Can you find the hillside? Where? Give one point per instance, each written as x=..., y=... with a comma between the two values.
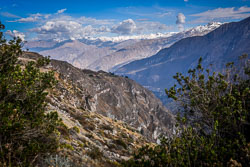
x=107, y=116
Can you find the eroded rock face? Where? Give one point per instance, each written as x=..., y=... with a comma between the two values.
x=118, y=98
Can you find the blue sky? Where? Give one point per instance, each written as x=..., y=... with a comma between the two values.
x=75, y=19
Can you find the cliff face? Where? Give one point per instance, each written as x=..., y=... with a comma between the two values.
x=107, y=116
x=118, y=98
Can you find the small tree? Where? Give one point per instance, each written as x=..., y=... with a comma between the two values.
x=214, y=123
x=26, y=130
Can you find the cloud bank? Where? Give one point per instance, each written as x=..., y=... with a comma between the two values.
x=63, y=30
x=125, y=27
x=60, y=26
x=16, y=34
x=32, y=18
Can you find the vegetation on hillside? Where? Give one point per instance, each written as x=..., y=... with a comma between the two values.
x=27, y=132
x=213, y=124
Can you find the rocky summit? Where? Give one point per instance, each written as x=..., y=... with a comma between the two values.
x=106, y=117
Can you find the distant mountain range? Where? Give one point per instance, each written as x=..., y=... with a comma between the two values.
x=110, y=53
x=218, y=47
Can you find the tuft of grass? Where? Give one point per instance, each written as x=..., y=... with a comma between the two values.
x=76, y=129
x=107, y=127
x=80, y=144
x=95, y=153
x=121, y=143
x=57, y=160
x=67, y=146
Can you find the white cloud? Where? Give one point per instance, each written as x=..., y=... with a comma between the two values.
x=63, y=30
x=27, y=19
x=61, y=11
x=164, y=14
x=10, y=15
x=66, y=27
x=15, y=33
x=93, y=21
x=180, y=27
x=180, y=18
x=32, y=18
x=129, y=26
x=125, y=27
x=63, y=27
x=150, y=27
x=180, y=21
x=38, y=17
x=185, y=0
x=221, y=14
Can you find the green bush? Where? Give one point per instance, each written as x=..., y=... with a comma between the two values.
x=213, y=126
x=26, y=131
x=76, y=129
x=67, y=146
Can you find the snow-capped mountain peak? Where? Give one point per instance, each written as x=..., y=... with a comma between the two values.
x=134, y=37
x=203, y=29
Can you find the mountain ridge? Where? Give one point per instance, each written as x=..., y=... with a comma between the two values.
x=98, y=54
x=218, y=47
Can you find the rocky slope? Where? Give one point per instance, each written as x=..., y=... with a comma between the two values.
x=108, y=54
x=106, y=117
x=222, y=45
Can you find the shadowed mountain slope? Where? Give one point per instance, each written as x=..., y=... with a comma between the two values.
x=218, y=47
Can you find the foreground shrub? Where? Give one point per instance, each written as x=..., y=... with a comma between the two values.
x=213, y=124
x=57, y=160
x=26, y=131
